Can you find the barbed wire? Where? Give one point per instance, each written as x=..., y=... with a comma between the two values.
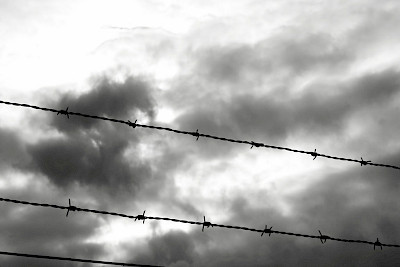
x=73, y=259
x=207, y=224
x=196, y=134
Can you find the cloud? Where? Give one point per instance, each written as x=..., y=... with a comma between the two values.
x=230, y=63
x=90, y=161
x=45, y=231
x=274, y=116
x=13, y=152
x=376, y=26
x=175, y=248
x=92, y=152
x=106, y=98
x=353, y=204
x=358, y=203
x=288, y=51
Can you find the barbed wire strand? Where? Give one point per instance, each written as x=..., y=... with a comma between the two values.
x=204, y=223
x=314, y=153
x=72, y=259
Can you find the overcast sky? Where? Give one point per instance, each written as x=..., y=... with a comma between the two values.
x=302, y=74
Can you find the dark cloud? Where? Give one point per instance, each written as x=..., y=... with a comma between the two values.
x=355, y=204
x=90, y=161
x=315, y=111
x=271, y=119
x=106, y=98
x=93, y=152
x=309, y=52
x=35, y=230
x=175, y=248
x=12, y=152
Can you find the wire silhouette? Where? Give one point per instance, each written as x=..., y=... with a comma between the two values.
x=70, y=208
x=64, y=112
x=314, y=154
x=323, y=238
x=73, y=259
x=132, y=124
x=204, y=223
x=364, y=162
x=197, y=134
x=141, y=217
x=267, y=231
x=255, y=144
x=377, y=243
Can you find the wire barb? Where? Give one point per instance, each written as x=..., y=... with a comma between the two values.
x=323, y=238
x=63, y=112
x=196, y=134
x=377, y=243
x=70, y=207
x=267, y=231
x=364, y=162
x=132, y=124
x=314, y=154
x=206, y=224
x=141, y=217
x=255, y=144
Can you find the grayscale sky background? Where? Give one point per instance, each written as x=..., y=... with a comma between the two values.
x=300, y=74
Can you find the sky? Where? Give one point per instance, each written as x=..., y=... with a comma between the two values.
x=301, y=74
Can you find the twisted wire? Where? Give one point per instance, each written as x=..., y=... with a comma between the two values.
x=72, y=259
x=197, y=135
x=204, y=223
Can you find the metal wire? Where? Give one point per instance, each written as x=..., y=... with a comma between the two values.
x=204, y=223
x=73, y=259
x=196, y=134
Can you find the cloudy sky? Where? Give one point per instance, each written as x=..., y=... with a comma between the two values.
x=301, y=74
